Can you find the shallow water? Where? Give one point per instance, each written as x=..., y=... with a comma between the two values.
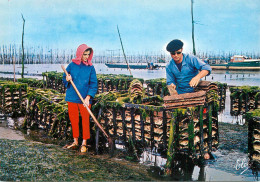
x=7, y=131
x=224, y=116
x=227, y=166
x=238, y=78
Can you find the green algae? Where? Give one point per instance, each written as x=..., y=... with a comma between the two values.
x=245, y=89
x=32, y=82
x=251, y=114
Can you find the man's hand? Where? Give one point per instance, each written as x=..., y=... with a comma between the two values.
x=172, y=89
x=68, y=78
x=87, y=100
x=195, y=81
x=174, y=86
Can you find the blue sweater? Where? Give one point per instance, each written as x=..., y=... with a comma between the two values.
x=85, y=79
x=191, y=66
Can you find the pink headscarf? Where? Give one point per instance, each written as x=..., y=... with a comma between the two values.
x=79, y=54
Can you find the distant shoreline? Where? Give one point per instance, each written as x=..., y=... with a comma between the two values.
x=235, y=68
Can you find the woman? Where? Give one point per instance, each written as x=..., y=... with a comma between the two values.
x=83, y=74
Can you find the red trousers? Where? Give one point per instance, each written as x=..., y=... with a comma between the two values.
x=73, y=109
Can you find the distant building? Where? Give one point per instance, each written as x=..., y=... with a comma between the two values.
x=237, y=58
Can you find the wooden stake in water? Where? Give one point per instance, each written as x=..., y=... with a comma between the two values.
x=123, y=50
x=193, y=41
x=23, y=48
x=14, y=67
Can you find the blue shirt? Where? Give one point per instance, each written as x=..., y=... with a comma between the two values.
x=84, y=78
x=191, y=66
x=179, y=65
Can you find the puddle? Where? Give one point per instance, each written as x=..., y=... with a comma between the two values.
x=7, y=133
x=6, y=129
x=225, y=116
x=227, y=166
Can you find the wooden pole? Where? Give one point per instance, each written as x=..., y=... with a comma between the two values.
x=23, y=48
x=123, y=51
x=14, y=67
x=193, y=41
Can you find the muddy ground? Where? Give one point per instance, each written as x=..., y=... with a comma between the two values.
x=233, y=137
x=27, y=160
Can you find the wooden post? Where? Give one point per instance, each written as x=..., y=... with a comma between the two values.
x=133, y=123
x=106, y=124
x=231, y=106
x=36, y=113
x=124, y=124
x=142, y=127
x=246, y=103
x=148, y=89
x=210, y=126
x=50, y=121
x=97, y=131
x=152, y=128
x=171, y=145
x=20, y=97
x=164, y=130
x=221, y=98
x=102, y=86
x=1, y=96
x=193, y=41
x=14, y=67
x=123, y=51
x=97, y=140
x=201, y=131
x=23, y=48
x=12, y=96
x=215, y=115
x=191, y=134
x=114, y=121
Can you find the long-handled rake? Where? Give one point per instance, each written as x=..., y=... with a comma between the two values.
x=109, y=139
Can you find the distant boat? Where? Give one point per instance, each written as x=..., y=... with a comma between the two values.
x=133, y=65
x=238, y=62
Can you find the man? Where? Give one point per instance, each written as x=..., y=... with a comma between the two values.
x=184, y=71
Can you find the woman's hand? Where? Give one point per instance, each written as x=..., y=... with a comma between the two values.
x=87, y=100
x=68, y=78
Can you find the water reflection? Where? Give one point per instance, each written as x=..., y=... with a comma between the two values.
x=152, y=158
x=185, y=170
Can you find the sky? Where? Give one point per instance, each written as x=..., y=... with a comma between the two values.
x=145, y=25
